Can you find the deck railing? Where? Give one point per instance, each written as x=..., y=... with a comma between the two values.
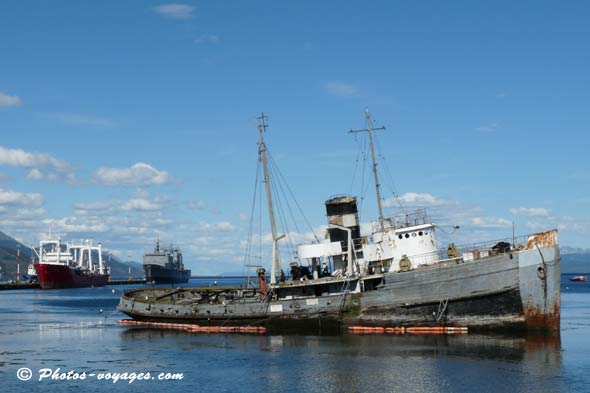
x=472, y=251
x=403, y=220
x=484, y=249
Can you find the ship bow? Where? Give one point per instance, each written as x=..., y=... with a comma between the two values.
x=539, y=268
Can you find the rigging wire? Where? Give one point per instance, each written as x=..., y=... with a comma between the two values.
x=280, y=214
x=282, y=178
x=356, y=164
x=387, y=172
x=283, y=193
x=248, y=255
x=286, y=202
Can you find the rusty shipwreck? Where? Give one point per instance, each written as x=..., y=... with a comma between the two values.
x=396, y=276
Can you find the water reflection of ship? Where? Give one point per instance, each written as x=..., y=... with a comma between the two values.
x=478, y=346
x=535, y=355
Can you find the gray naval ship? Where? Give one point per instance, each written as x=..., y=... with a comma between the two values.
x=164, y=266
x=394, y=277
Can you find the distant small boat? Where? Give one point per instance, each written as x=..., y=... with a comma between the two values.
x=579, y=278
x=32, y=272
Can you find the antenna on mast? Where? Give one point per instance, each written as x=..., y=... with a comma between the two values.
x=370, y=130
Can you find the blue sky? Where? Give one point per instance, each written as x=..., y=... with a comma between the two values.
x=128, y=121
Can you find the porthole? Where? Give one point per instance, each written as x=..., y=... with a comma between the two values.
x=420, y=233
x=400, y=236
x=413, y=234
x=407, y=235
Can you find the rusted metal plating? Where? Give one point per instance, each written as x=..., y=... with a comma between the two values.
x=537, y=319
x=542, y=239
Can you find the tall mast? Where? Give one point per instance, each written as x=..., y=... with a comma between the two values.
x=370, y=130
x=276, y=263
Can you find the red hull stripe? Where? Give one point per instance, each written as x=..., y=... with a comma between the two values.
x=60, y=276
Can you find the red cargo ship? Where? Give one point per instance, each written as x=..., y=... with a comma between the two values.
x=72, y=267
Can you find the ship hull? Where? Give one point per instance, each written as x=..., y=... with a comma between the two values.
x=61, y=276
x=517, y=290
x=510, y=290
x=160, y=275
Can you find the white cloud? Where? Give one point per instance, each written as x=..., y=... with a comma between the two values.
x=139, y=174
x=203, y=226
x=209, y=250
x=488, y=128
x=207, y=39
x=175, y=11
x=117, y=205
x=223, y=226
x=491, y=222
x=96, y=206
x=578, y=226
x=8, y=100
x=340, y=89
x=14, y=198
x=196, y=205
x=75, y=225
x=35, y=174
x=21, y=213
x=530, y=211
x=140, y=204
x=41, y=165
x=415, y=199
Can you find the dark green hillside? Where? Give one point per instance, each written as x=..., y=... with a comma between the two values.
x=8, y=247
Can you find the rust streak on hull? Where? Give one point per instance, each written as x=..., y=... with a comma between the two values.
x=536, y=319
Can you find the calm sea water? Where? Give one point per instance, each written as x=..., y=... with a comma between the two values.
x=63, y=329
